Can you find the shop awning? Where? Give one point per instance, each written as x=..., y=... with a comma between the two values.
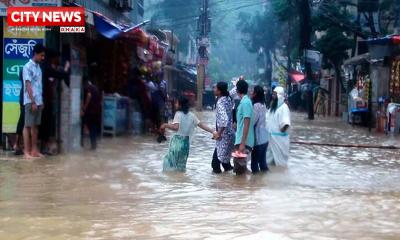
x=297, y=76
x=357, y=60
x=394, y=39
x=113, y=30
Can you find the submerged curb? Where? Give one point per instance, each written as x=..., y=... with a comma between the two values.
x=345, y=145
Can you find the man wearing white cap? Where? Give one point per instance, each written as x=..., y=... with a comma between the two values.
x=278, y=123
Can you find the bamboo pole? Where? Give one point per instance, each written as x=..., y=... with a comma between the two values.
x=345, y=145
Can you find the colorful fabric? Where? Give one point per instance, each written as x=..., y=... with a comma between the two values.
x=245, y=110
x=224, y=118
x=177, y=155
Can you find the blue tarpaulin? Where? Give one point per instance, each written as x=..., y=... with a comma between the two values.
x=106, y=27
x=110, y=29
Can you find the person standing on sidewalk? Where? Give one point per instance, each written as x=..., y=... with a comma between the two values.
x=259, y=153
x=244, y=140
x=278, y=123
x=33, y=101
x=91, y=111
x=52, y=72
x=224, y=126
x=18, y=149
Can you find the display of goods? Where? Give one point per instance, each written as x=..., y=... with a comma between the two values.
x=394, y=87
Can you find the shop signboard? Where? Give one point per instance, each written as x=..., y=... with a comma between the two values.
x=27, y=3
x=17, y=50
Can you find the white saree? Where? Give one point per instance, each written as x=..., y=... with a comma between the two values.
x=279, y=142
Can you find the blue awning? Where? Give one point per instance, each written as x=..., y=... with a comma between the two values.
x=111, y=29
x=395, y=39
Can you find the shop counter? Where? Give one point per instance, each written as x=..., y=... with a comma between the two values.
x=393, y=116
x=115, y=115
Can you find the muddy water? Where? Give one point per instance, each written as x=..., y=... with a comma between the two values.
x=120, y=192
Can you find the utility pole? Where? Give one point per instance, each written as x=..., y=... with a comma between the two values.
x=305, y=44
x=289, y=52
x=204, y=27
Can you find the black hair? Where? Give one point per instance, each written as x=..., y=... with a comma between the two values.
x=183, y=104
x=259, y=95
x=223, y=88
x=242, y=87
x=39, y=48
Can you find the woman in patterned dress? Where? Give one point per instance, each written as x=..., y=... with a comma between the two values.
x=225, y=132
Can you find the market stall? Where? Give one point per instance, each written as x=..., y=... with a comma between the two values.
x=393, y=109
x=115, y=115
x=359, y=99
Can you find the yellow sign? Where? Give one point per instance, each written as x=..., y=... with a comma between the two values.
x=23, y=32
x=10, y=116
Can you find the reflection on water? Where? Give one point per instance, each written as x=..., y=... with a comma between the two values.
x=120, y=192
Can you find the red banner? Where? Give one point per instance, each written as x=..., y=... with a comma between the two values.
x=45, y=16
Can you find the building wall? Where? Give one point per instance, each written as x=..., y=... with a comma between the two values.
x=104, y=8
x=137, y=13
x=380, y=76
x=71, y=97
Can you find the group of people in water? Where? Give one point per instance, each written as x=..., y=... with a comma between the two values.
x=246, y=129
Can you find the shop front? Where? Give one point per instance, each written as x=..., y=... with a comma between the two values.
x=16, y=50
x=133, y=61
x=393, y=109
x=358, y=101
x=385, y=53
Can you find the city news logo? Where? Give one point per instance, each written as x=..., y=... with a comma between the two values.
x=69, y=19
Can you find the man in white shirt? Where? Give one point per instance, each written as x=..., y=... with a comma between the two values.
x=33, y=101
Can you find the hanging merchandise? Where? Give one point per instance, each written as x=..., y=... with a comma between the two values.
x=367, y=88
x=394, y=86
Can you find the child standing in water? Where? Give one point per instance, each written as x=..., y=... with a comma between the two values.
x=184, y=124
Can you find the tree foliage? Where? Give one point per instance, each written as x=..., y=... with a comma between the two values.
x=335, y=41
x=261, y=34
x=260, y=30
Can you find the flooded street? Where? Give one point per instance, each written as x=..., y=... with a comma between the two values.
x=120, y=192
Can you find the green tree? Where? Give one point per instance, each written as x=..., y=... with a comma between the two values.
x=388, y=16
x=289, y=18
x=261, y=31
x=335, y=41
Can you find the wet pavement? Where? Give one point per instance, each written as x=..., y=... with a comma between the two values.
x=120, y=192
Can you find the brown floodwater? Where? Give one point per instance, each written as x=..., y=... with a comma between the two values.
x=120, y=192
